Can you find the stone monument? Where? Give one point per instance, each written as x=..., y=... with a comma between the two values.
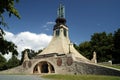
x=60, y=56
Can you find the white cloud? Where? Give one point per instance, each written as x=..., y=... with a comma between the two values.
x=50, y=23
x=29, y=40
x=47, y=24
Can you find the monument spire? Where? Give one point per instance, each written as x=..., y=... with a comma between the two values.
x=61, y=15
x=61, y=11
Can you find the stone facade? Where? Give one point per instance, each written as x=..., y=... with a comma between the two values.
x=64, y=64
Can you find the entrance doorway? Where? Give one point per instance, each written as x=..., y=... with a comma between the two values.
x=44, y=67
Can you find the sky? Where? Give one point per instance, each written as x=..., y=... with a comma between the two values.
x=84, y=17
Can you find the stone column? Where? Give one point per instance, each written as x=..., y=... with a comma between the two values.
x=38, y=68
x=49, y=68
x=26, y=58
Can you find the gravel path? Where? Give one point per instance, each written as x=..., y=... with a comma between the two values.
x=20, y=77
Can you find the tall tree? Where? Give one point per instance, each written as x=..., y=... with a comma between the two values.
x=102, y=43
x=6, y=46
x=85, y=49
x=3, y=62
x=116, y=54
x=8, y=6
x=13, y=62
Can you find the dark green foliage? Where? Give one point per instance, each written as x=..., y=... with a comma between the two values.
x=7, y=46
x=85, y=49
x=8, y=6
x=3, y=62
x=117, y=39
x=1, y=33
x=76, y=47
x=101, y=43
x=116, y=54
x=13, y=62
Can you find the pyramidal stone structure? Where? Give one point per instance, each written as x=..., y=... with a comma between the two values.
x=60, y=43
x=60, y=57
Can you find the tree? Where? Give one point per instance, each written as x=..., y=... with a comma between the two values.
x=103, y=44
x=85, y=49
x=1, y=33
x=6, y=46
x=8, y=6
x=3, y=62
x=116, y=54
x=13, y=62
x=76, y=47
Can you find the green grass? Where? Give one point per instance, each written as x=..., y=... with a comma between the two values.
x=80, y=77
x=113, y=66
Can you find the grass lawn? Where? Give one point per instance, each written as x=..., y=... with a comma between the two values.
x=80, y=77
x=114, y=66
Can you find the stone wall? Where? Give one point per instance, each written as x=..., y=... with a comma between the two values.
x=65, y=65
x=76, y=67
x=86, y=68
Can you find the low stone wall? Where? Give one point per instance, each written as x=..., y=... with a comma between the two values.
x=78, y=67
x=86, y=68
x=66, y=65
x=16, y=70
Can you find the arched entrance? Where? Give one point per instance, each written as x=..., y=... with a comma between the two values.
x=44, y=67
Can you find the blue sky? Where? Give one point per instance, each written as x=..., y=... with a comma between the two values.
x=84, y=17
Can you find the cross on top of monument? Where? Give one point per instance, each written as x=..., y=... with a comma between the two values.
x=61, y=11
x=60, y=15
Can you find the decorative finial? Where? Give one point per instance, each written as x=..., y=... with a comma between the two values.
x=61, y=11
x=94, y=59
x=26, y=58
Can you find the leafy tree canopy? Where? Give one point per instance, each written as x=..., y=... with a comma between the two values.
x=13, y=62
x=6, y=46
x=3, y=62
x=116, y=53
x=101, y=43
x=8, y=6
x=85, y=49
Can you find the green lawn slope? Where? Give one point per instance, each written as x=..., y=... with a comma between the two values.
x=80, y=77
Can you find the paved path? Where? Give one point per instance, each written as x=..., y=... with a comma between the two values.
x=20, y=77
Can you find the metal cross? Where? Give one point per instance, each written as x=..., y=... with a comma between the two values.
x=61, y=11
